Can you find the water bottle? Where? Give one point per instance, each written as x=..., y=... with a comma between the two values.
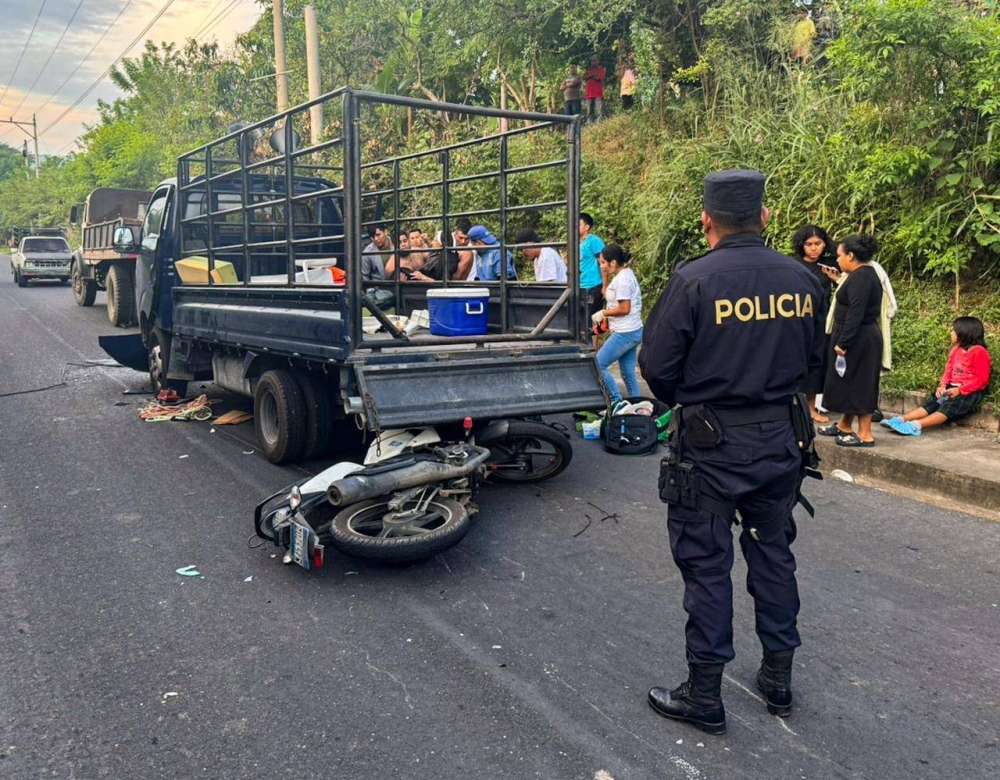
x=841, y=365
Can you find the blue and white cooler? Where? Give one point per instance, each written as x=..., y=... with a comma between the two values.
x=459, y=311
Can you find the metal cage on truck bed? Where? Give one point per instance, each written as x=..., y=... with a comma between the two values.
x=271, y=238
x=269, y=210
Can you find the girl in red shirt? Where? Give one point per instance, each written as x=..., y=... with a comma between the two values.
x=962, y=386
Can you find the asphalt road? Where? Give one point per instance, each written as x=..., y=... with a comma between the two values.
x=526, y=651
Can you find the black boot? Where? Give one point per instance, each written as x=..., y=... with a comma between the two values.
x=697, y=701
x=774, y=680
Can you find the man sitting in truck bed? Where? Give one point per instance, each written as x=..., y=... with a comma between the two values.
x=377, y=260
x=487, y=268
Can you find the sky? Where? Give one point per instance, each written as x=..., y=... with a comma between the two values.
x=37, y=68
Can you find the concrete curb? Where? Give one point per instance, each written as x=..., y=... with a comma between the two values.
x=901, y=474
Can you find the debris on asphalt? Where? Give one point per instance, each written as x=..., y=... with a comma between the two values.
x=234, y=417
x=249, y=579
x=199, y=409
x=188, y=571
x=248, y=452
x=181, y=457
x=841, y=475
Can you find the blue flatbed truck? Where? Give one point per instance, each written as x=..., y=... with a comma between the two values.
x=234, y=281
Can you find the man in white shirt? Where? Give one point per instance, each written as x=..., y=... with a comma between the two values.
x=549, y=265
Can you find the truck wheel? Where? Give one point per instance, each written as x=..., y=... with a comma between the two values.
x=319, y=417
x=84, y=290
x=121, y=296
x=370, y=530
x=20, y=279
x=531, y=452
x=279, y=416
x=159, y=363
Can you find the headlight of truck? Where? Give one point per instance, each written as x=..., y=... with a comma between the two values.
x=28, y=264
x=295, y=497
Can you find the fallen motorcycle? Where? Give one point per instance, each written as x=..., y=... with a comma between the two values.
x=413, y=497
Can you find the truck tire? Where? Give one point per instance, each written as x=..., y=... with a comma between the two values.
x=361, y=531
x=279, y=416
x=158, y=348
x=531, y=452
x=319, y=417
x=121, y=296
x=84, y=290
x=21, y=280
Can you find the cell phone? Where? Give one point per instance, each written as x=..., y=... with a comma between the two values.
x=831, y=267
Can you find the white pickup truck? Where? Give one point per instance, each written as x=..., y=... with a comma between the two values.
x=41, y=257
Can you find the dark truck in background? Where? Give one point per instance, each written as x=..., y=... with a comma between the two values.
x=97, y=265
x=227, y=292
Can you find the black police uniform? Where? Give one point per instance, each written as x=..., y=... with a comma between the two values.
x=730, y=339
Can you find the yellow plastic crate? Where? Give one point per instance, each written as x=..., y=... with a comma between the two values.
x=194, y=270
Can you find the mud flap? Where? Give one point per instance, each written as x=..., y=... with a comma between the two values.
x=127, y=350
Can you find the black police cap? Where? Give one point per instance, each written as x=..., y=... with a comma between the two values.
x=734, y=192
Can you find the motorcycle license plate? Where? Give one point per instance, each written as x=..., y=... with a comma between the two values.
x=298, y=544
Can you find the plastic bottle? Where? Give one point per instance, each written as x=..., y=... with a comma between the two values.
x=841, y=365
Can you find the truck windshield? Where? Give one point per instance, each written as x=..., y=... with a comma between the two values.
x=45, y=245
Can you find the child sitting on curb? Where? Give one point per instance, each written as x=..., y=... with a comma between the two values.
x=962, y=387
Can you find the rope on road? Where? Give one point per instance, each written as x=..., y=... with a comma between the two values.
x=198, y=409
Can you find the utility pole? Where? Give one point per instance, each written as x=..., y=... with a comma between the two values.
x=31, y=129
x=280, y=68
x=312, y=70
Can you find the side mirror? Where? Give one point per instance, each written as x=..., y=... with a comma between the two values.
x=74, y=213
x=277, y=140
x=125, y=239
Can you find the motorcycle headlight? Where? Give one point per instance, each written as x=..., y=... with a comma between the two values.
x=295, y=497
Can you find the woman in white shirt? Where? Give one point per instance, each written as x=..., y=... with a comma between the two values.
x=623, y=312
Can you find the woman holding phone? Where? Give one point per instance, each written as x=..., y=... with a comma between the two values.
x=815, y=249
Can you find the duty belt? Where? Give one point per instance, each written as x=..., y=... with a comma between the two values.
x=751, y=415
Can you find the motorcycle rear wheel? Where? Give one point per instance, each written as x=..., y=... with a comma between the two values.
x=531, y=452
x=371, y=531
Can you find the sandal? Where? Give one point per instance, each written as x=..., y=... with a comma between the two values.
x=853, y=440
x=829, y=430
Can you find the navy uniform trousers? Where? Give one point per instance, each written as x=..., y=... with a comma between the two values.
x=757, y=469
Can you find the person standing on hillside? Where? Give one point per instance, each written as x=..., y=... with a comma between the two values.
x=571, y=91
x=628, y=80
x=594, y=92
x=729, y=341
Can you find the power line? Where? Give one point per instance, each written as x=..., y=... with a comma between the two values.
x=118, y=59
x=204, y=19
x=51, y=55
x=86, y=57
x=25, y=49
x=224, y=14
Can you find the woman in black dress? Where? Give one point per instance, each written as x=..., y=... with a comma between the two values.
x=815, y=249
x=856, y=337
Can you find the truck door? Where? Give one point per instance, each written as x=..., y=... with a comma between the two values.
x=148, y=267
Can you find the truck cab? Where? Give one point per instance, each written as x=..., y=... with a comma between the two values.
x=41, y=257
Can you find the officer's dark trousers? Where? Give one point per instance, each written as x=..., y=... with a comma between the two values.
x=757, y=468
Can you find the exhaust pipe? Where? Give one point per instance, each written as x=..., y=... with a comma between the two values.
x=361, y=486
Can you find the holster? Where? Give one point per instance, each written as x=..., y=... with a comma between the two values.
x=680, y=484
x=805, y=437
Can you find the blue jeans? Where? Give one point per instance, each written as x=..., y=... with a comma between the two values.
x=622, y=348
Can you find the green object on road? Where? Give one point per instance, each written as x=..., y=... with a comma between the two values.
x=188, y=571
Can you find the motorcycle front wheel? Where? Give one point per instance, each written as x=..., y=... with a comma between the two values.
x=372, y=531
x=531, y=452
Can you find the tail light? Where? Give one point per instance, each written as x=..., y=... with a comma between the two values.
x=317, y=561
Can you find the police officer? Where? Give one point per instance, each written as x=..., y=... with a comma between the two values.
x=729, y=340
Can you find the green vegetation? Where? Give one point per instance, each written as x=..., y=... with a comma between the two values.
x=887, y=122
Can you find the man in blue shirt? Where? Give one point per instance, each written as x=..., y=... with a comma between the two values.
x=488, y=255
x=591, y=279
